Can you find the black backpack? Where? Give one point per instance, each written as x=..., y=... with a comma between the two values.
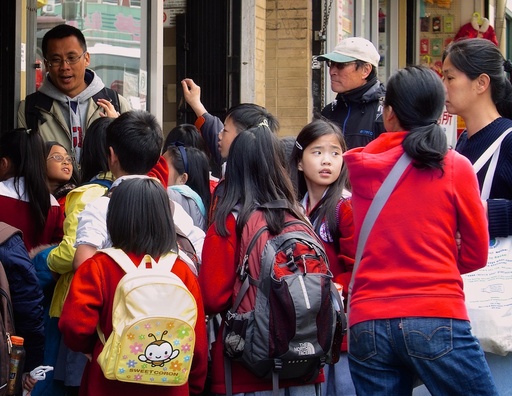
x=6, y=314
x=38, y=101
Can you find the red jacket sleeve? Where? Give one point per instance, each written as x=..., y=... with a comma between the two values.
x=218, y=269
x=346, y=243
x=82, y=307
x=199, y=368
x=160, y=171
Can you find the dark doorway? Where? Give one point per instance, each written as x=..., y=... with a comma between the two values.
x=208, y=51
x=7, y=60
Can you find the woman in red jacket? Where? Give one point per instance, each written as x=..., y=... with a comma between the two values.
x=139, y=221
x=407, y=316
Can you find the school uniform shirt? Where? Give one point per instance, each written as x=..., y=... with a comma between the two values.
x=411, y=264
x=89, y=303
x=217, y=280
x=92, y=223
x=15, y=210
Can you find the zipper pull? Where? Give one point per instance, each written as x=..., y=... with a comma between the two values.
x=9, y=342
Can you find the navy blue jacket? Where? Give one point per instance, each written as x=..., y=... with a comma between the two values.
x=26, y=297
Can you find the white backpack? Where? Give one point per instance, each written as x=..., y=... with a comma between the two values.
x=153, y=320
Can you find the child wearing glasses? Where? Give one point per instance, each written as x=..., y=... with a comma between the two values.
x=62, y=174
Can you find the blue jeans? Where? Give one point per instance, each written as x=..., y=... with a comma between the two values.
x=337, y=378
x=385, y=357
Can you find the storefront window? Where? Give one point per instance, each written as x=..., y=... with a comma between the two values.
x=112, y=30
x=383, y=40
x=438, y=24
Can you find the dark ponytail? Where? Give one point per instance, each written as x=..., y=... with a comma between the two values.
x=417, y=97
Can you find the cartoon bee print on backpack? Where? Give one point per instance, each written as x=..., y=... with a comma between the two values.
x=159, y=352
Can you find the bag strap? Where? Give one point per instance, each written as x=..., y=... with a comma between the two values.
x=494, y=151
x=480, y=162
x=376, y=206
x=110, y=95
x=125, y=262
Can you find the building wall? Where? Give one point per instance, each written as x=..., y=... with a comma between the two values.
x=288, y=63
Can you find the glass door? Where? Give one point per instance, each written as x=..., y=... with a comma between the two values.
x=116, y=40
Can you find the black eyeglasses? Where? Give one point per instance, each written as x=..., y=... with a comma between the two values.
x=339, y=66
x=70, y=60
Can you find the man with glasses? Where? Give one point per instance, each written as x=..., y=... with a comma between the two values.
x=357, y=109
x=71, y=96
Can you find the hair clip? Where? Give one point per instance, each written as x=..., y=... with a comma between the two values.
x=264, y=123
x=297, y=144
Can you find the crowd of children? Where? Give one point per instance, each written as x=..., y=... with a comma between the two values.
x=189, y=196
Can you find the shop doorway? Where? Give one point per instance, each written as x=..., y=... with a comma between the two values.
x=208, y=41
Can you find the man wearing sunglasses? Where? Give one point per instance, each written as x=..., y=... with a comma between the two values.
x=72, y=96
x=357, y=109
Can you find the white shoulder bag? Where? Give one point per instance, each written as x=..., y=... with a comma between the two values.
x=489, y=290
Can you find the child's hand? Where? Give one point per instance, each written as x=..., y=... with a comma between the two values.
x=108, y=108
x=192, y=95
x=28, y=382
x=458, y=239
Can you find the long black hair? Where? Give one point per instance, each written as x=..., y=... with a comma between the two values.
x=26, y=150
x=94, y=159
x=194, y=163
x=139, y=218
x=255, y=175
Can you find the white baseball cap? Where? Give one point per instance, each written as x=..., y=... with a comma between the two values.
x=351, y=49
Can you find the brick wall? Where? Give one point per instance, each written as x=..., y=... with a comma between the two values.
x=288, y=63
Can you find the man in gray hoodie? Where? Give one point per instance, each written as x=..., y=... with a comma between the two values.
x=71, y=96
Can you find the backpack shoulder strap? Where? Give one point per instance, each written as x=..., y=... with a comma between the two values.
x=7, y=231
x=165, y=263
x=121, y=258
x=33, y=103
x=110, y=95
